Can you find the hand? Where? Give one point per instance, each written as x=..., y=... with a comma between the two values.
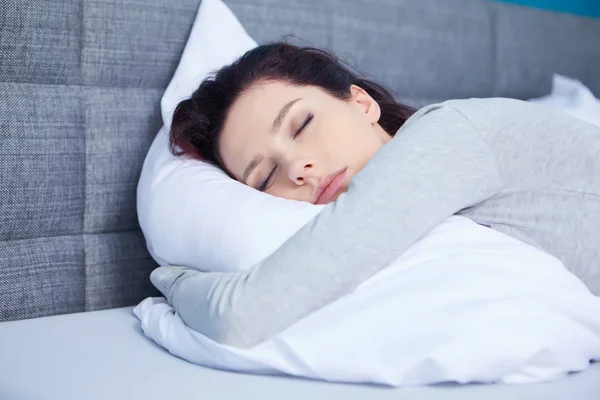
x=167, y=279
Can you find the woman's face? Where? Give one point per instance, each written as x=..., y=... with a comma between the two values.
x=299, y=142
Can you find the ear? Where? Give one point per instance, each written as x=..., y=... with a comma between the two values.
x=366, y=103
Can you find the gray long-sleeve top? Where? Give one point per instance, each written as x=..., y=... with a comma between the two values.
x=521, y=169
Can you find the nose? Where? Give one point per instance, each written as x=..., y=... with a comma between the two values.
x=300, y=171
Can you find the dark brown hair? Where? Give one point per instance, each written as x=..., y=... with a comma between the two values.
x=198, y=121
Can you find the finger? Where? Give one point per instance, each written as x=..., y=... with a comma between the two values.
x=163, y=278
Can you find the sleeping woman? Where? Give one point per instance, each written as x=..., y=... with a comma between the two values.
x=296, y=123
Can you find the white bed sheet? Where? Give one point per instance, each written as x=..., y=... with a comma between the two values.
x=103, y=355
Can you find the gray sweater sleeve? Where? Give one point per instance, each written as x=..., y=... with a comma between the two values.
x=436, y=165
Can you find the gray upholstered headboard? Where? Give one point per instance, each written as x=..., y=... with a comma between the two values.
x=431, y=50
x=81, y=83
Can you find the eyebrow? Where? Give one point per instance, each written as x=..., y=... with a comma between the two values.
x=276, y=126
x=282, y=113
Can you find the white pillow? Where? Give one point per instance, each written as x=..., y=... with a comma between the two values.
x=217, y=39
x=573, y=97
x=192, y=213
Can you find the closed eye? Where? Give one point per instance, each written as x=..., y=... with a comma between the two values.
x=263, y=187
x=306, y=121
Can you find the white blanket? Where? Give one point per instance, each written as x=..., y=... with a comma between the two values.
x=464, y=304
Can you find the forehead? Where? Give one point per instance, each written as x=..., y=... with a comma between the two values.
x=260, y=104
x=247, y=128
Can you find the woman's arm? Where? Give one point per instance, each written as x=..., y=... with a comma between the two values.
x=437, y=164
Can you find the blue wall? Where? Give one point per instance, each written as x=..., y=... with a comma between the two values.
x=590, y=8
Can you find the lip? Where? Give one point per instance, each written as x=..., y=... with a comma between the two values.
x=329, y=186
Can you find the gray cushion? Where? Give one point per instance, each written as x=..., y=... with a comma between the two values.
x=104, y=355
x=431, y=50
x=81, y=83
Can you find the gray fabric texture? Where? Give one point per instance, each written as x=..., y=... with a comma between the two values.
x=81, y=83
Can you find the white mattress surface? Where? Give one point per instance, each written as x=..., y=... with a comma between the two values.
x=104, y=355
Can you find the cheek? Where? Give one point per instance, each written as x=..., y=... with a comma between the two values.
x=342, y=137
x=360, y=145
